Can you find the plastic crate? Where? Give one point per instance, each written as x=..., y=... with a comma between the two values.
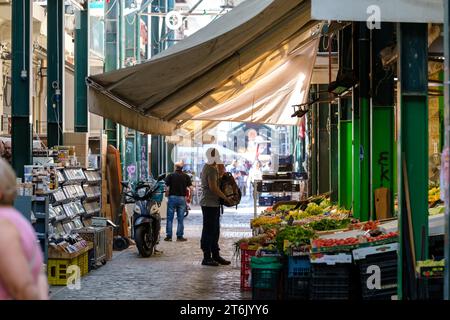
x=387, y=264
x=282, y=198
x=265, y=201
x=299, y=266
x=57, y=270
x=264, y=186
x=297, y=288
x=266, y=284
x=246, y=255
x=331, y=282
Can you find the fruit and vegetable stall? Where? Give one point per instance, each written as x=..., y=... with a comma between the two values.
x=316, y=250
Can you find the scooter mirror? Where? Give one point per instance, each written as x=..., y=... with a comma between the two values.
x=162, y=177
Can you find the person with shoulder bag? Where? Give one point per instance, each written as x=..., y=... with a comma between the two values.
x=210, y=203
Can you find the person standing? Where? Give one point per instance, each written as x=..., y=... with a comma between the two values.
x=21, y=258
x=177, y=184
x=255, y=174
x=8, y=151
x=210, y=203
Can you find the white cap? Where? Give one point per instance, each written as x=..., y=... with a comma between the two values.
x=213, y=159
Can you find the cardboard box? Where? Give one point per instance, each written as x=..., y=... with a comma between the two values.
x=76, y=138
x=84, y=161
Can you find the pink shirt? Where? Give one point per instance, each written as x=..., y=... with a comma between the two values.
x=29, y=241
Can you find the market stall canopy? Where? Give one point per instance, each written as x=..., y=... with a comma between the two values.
x=224, y=59
x=271, y=99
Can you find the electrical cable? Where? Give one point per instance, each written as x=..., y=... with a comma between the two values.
x=110, y=8
x=128, y=21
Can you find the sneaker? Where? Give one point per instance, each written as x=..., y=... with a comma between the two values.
x=167, y=239
x=222, y=261
x=210, y=262
x=182, y=239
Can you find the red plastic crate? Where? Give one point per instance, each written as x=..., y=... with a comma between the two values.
x=246, y=254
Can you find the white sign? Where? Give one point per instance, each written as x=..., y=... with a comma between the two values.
x=420, y=11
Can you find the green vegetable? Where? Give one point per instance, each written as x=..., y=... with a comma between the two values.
x=296, y=235
x=325, y=204
x=431, y=263
x=285, y=207
x=313, y=209
x=329, y=224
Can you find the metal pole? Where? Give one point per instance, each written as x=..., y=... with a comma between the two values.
x=383, y=153
x=22, y=15
x=447, y=144
x=412, y=150
x=356, y=121
x=81, y=69
x=345, y=129
x=112, y=10
x=323, y=143
x=334, y=147
x=314, y=142
x=364, y=119
x=55, y=74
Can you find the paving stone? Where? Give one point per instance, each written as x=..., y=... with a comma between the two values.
x=175, y=274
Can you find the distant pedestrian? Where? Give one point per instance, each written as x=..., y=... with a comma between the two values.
x=8, y=151
x=255, y=174
x=177, y=184
x=21, y=258
x=210, y=203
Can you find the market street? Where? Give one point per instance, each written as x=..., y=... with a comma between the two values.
x=175, y=274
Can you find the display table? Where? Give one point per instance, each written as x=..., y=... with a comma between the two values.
x=56, y=254
x=59, y=268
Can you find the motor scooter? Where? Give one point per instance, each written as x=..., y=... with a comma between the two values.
x=146, y=219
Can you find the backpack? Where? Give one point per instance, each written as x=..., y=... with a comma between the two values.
x=229, y=187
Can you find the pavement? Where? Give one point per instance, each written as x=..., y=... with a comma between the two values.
x=176, y=273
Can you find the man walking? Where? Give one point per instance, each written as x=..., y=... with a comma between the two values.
x=210, y=203
x=177, y=184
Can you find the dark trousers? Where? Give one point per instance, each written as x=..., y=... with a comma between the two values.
x=211, y=231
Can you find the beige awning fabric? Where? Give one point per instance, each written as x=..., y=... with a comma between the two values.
x=271, y=99
x=220, y=61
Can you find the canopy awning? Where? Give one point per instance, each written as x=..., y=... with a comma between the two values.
x=271, y=99
x=216, y=64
